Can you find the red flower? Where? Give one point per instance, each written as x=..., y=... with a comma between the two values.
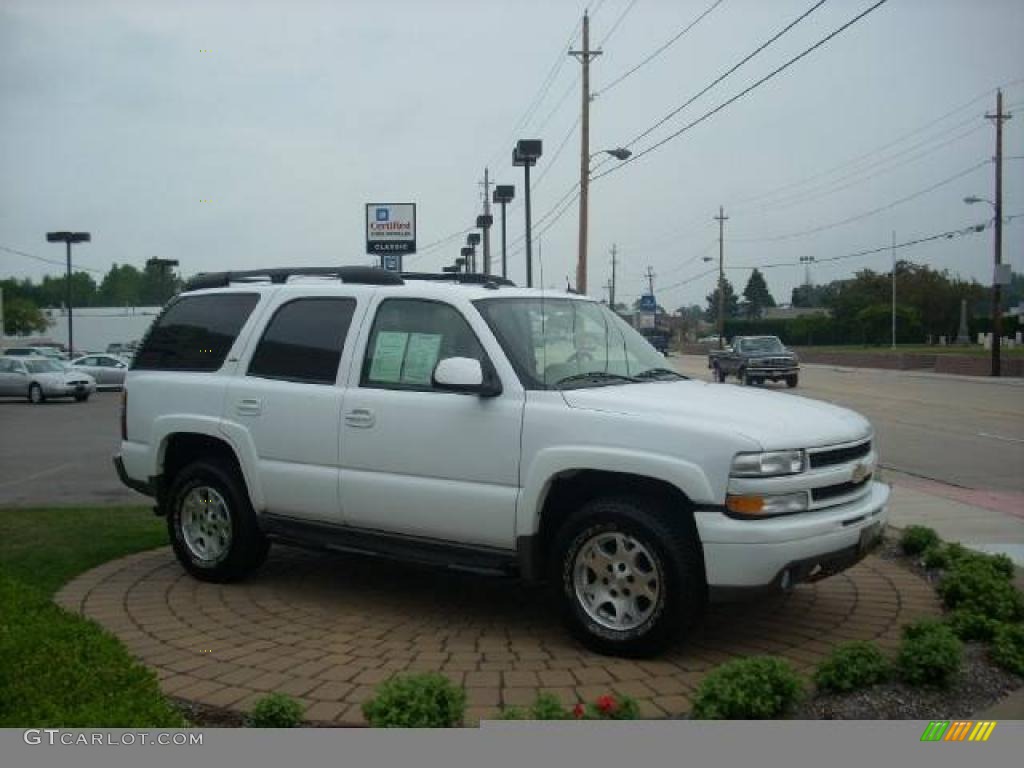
x=606, y=704
x=578, y=711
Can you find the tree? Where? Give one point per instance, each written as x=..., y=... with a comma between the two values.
x=732, y=306
x=53, y=290
x=757, y=295
x=121, y=287
x=23, y=317
x=157, y=285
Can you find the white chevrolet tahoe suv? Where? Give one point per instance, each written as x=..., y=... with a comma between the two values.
x=461, y=421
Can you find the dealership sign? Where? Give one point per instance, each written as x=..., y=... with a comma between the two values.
x=390, y=229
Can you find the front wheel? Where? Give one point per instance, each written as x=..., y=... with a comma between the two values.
x=719, y=374
x=81, y=398
x=211, y=523
x=791, y=381
x=35, y=394
x=628, y=574
x=745, y=378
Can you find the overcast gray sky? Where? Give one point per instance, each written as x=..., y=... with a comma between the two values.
x=122, y=117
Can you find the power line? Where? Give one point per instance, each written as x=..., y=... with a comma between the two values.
x=618, y=21
x=778, y=70
x=728, y=72
x=865, y=214
x=79, y=267
x=551, y=161
x=660, y=50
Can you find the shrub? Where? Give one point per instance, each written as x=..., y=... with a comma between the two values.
x=930, y=654
x=971, y=625
x=1008, y=648
x=852, y=665
x=275, y=710
x=917, y=538
x=758, y=687
x=428, y=700
x=936, y=557
x=981, y=586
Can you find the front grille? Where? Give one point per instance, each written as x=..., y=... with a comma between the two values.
x=772, y=362
x=841, y=489
x=834, y=456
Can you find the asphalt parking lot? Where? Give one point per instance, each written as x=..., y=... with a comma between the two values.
x=59, y=453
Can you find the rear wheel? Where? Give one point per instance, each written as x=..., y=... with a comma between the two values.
x=791, y=381
x=719, y=373
x=211, y=523
x=82, y=397
x=745, y=378
x=628, y=574
x=35, y=394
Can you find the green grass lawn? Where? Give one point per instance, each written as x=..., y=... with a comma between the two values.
x=59, y=669
x=919, y=349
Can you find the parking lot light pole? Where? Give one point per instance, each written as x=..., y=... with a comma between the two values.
x=472, y=240
x=68, y=238
x=503, y=195
x=526, y=153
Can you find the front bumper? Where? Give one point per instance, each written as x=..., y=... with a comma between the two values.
x=68, y=390
x=751, y=556
x=772, y=373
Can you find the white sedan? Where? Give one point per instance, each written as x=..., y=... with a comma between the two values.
x=107, y=370
x=40, y=378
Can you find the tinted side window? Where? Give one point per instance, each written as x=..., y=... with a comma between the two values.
x=409, y=337
x=195, y=332
x=303, y=341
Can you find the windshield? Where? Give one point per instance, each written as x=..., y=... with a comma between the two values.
x=43, y=366
x=766, y=344
x=569, y=342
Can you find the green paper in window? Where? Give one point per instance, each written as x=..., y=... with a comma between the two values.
x=387, y=357
x=421, y=357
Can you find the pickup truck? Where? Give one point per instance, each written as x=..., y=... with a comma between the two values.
x=754, y=360
x=462, y=422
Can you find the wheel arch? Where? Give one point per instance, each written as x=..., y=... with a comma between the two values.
x=179, y=448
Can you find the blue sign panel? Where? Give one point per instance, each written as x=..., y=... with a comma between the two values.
x=648, y=304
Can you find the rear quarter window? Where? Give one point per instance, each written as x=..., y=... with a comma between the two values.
x=195, y=333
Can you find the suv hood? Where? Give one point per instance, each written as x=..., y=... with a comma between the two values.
x=773, y=419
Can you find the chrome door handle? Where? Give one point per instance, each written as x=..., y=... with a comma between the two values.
x=360, y=417
x=249, y=406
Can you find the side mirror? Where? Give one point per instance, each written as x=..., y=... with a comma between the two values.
x=464, y=374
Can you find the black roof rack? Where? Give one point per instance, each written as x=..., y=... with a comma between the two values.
x=363, y=275
x=469, y=278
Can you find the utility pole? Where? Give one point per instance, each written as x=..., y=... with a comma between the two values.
x=650, y=280
x=486, y=184
x=997, y=312
x=584, y=56
x=611, y=283
x=893, y=254
x=721, y=218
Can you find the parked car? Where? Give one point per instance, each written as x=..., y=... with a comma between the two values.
x=40, y=378
x=107, y=370
x=435, y=420
x=754, y=360
x=52, y=353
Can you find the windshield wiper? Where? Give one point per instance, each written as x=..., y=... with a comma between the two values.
x=594, y=376
x=656, y=373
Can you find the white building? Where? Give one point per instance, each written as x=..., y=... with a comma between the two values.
x=95, y=327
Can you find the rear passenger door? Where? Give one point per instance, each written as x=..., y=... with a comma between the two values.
x=287, y=398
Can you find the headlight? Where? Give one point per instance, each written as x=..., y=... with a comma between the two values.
x=768, y=464
x=758, y=505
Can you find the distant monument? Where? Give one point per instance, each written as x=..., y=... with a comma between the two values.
x=962, y=337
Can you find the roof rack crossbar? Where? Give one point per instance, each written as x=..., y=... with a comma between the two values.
x=469, y=278
x=278, y=275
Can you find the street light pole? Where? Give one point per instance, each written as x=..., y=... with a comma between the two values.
x=584, y=56
x=997, y=312
x=68, y=238
x=721, y=218
x=893, y=253
x=526, y=153
x=503, y=194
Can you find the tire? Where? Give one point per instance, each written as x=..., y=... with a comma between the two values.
x=791, y=381
x=744, y=378
x=719, y=374
x=35, y=394
x=230, y=545
x=82, y=398
x=665, y=543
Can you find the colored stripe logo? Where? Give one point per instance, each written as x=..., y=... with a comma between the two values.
x=958, y=730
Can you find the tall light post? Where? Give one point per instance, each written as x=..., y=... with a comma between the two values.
x=472, y=240
x=68, y=238
x=721, y=218
x=997, y=311
x=503, y=195
x=466, y=255
x=526, y=153
x=484, y=222
x=619, y=153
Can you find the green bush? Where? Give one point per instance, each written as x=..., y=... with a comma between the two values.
x=1007, y=648
x=275, y=710
x=936, y=557
x=971, y=625
x=60, y=670
x=427, y=700
x=852, y=665
x=917, y=538
x=930, y=654
x=758, y=687
x=982, y=587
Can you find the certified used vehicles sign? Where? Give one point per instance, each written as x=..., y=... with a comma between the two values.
x=390, y=228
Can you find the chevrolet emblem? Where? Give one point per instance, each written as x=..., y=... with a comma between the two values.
x=860, y=473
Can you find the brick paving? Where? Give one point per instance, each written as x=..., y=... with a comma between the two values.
x=327, y=629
